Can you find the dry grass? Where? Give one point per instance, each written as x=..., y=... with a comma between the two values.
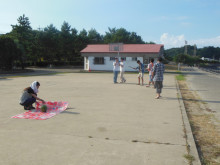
x=202, y=122
x=190, y=158
x=171, y=67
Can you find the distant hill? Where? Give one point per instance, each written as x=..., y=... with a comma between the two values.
x=207, y=52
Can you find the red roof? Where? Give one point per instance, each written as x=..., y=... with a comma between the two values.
x=127, y=48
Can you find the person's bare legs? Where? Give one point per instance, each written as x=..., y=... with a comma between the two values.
x=138, y=80
x=149, y=84
x=158, y=96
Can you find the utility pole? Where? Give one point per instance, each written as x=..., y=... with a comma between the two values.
x=194, y=52
x=185, y=51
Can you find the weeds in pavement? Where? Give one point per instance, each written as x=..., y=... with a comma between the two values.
x=180, y=77
x=189, y=157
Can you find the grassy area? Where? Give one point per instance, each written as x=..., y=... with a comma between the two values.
x=203, y=124
x=180, y=77
x=171, y=67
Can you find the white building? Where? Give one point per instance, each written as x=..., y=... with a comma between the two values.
x=207, y=59
x=101, y=57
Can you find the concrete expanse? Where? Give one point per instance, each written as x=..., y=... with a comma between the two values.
x=105, y=124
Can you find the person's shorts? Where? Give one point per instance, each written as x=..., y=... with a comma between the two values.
x=141, y=75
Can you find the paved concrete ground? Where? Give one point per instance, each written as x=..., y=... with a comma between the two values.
x=207, y=86
x=105, y=124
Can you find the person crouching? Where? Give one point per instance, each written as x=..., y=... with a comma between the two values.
x=29, y=96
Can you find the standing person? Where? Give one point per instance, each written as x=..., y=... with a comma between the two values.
x=150, y=69
x=122, y=70
x=116, y=66
x=158, y=71
x=29, y=96
x=141, y=72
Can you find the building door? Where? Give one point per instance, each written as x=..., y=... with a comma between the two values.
x=145, y=59
x=86, y=63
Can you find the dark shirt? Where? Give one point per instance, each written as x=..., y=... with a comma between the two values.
x=31, y=91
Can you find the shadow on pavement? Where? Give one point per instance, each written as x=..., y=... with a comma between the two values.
x=195, y=100
x=193, y=73
x=74, y=113
x=208, y=101
x=4, y=79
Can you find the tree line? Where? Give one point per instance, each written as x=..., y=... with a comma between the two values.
x=178, y=55
x=25, y=46
x=206, y=52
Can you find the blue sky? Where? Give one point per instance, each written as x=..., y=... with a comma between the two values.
x=168, y=22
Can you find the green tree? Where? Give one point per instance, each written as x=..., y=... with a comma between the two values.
x=35, y=47
x=186, y=59
x=49, y=40
x=117, y=35
x=209, y=52
x=180, y=58
x=151, y=42
x=135, y=39
x=22, y=33
x=82, y=41
x=74, y=36
x=66, y=42
x=122, y=36
x=94, y=37
x=168, y=57
x=8, y=52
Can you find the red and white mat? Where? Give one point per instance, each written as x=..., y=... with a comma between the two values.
x=53, y=108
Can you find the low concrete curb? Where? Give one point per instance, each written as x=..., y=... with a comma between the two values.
x=190, y=141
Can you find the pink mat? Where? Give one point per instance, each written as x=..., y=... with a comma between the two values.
x=53, y=108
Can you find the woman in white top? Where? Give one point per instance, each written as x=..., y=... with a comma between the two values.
x=150, y=69
x=122, y=70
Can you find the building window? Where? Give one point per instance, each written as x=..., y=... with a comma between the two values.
x=134, y=58
x=99, y=60
x=112, y=58
x=124, y=58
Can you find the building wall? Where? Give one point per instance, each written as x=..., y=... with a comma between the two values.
x=108, y=64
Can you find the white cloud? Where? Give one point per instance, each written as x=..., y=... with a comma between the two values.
x=172, y=41
x=206, y=42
